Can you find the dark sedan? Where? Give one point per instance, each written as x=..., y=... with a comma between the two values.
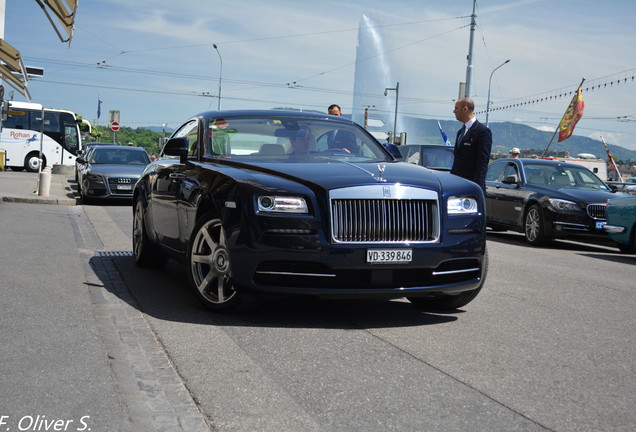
x=110, y=172
x=546, y=199
x=267, y=202
x=431, y=156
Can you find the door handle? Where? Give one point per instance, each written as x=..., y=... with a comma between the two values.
x=177, y=176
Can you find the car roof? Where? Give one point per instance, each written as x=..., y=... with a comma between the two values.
x=545, y=162
x=118, y=147
x=274, y=112
x=429, y=146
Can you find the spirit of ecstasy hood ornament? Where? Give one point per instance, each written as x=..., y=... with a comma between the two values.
x=381, y=168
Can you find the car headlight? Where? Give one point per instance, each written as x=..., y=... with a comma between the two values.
x=94, y=178
x=282, y=204
x=462, y=205
x=560, y=204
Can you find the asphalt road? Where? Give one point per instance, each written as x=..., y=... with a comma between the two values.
x=548, y=345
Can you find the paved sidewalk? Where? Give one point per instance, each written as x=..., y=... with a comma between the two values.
x=22, y=187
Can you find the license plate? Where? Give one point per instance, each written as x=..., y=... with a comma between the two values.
x=600, y=225
x=124, y=187
x=389, y=256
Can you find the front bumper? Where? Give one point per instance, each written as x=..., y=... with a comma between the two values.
x=293, y=264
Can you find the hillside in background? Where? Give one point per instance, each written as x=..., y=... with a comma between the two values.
x=508, y=135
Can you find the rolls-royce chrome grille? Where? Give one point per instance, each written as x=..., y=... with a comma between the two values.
x=384, y=214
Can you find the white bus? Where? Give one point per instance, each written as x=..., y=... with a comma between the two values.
x=21, y=137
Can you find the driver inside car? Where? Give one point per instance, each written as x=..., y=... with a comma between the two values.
x=302, y=142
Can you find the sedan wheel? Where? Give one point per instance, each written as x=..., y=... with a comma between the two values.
x=146, y=253
x=209, y=269
x=534, y=226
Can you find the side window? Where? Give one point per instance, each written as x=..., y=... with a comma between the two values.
x=191, y=131
x=16, y=120
x=494, y=171
x=413, y=155
x=512, y=171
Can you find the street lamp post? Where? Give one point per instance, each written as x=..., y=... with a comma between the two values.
x=220, y=74
x=489, y=81
x=397, y=96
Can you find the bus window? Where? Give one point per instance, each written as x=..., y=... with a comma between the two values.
x=70, y=138
x=16, y=120
x=51, y=121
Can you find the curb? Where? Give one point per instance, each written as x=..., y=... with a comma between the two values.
x=41, y=200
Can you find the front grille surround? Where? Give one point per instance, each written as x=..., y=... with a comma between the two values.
x=113, y=183
x=596, y=211
x=384, y=214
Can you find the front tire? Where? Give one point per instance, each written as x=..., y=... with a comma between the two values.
x=208, y=265
x=448, y=302
x=32, y=162
x=534, y=226
x=145, y=252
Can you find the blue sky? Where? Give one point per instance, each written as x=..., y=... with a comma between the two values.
x=155, y=63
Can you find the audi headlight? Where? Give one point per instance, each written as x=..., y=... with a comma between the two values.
x=565, y=205
x=94, y=178
x=282, y=204
x=462, y=205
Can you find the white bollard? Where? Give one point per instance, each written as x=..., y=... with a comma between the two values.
x=45, y=182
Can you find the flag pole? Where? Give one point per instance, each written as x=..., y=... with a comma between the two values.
x=612, y=161
x=557, y=128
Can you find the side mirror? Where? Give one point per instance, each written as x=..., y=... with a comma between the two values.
x=394, y=150
x=80, y=160
x=177, y=147
x=510, y=180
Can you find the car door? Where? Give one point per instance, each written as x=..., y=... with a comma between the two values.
x=168, y=180
x=493, y=181
x=510, y=195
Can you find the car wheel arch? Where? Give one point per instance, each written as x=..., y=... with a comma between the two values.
x=526, y=206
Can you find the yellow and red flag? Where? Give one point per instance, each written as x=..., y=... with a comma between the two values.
x=572, y=115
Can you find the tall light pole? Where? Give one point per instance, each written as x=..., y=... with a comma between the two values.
x=397, y=96
x=220, y=74
x=469, y=68
x=489, y=81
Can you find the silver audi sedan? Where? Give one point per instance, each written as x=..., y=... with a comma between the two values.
x=110, y=172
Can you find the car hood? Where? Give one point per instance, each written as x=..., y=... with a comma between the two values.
x=113, y=170
x=590, y=196
x=339, y=174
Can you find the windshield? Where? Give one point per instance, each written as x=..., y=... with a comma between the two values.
x=286, y=139
x=559, y=176
x=121, y=156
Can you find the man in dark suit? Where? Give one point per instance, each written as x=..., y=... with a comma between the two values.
x=472, y=146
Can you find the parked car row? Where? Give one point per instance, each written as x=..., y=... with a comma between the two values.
x=275, y=202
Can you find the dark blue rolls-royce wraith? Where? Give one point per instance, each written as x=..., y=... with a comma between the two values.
x=277, y=202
